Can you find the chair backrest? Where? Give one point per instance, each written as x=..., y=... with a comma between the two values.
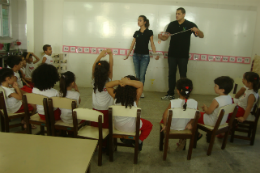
x=223, y=113
x=2, y=90
x=122, y=111
x=88, y=114
x=62, y=102
x=35, y=98
x=180, y=113
x=238, y=82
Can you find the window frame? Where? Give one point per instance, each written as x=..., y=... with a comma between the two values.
x=9, y=21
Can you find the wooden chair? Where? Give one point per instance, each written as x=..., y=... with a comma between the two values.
x=114, y=133
x=176, y=134
x=248, y=126
x=212, y=131
x=6, y=117
x=63, y=103
x=238, y=83
x=89, y=132
x=30, y=98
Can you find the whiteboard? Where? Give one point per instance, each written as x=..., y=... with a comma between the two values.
x=227, y=32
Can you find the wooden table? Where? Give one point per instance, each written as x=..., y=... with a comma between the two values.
x=44, y=154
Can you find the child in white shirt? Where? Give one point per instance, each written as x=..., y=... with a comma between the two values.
x=67, y=83
x=47, y=57
x=223, y=86
x=13, y=94
x=30, y=64
x=128, y=93
x=102, y=72
x=247, y=97
x=44, y=78
x=184, y=88
x=26, y=86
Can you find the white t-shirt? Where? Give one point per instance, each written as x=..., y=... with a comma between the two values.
x=126, y=124
x=66, y=114
x=19, y=80
x=242, y=101
x=23, y=70
x=29, y=69
x=48, y=93
x=101, y=100
x=12, y=104
x=177, y=123
x=49, y=59
x=211, y=119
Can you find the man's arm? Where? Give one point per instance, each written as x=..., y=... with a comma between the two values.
x=198, y=32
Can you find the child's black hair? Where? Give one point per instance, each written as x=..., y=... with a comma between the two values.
x=45, y=47
x=4, y=73
x=226, y=83
x=185, y=86
x=25, y=54
x=254, y=79
x=65, y=80
x=13, y=60
x=101, y=75
x=126, y=95
x=45, y=76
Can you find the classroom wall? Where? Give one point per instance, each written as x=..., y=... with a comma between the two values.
x=18, y=23
x=48, y=23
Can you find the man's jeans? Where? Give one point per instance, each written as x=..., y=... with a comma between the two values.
x=141, y=63
x=173, y=63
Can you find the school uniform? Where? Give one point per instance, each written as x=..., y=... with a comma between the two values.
x=49, y=59
x=66, y=114
x=48, y=93
x=242, y=103
x=101, y=102
x=128, y=124
x=29, y=69
x=177, y=123
x=12, y=104
x=212, y=118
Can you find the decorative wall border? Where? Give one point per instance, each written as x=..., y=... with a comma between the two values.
x=193, y=56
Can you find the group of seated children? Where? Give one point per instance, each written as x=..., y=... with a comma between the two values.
x=125, y=92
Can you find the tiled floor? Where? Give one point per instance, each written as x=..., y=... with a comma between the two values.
x=237, y=157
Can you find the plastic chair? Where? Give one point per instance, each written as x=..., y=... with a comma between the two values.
x=89, y=132
x=212, y=131
x=121, y=111
x=37, y=99
x=179, y=134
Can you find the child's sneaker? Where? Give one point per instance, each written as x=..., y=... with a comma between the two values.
x=142, y=96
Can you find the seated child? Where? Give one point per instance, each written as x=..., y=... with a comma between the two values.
x=247, y=97
x=13, y=94
x=223, y=86
x=102, y=72
x=26, y=86
x=47, y=57
x=67, y=83
x=184, y=88
x=128, y=93
x=44, y=78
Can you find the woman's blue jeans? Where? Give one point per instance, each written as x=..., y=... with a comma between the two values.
x=141, y=63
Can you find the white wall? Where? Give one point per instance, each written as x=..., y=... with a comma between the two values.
x=48, y=23
x=18, y=23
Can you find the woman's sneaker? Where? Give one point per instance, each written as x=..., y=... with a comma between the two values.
x=168, y=97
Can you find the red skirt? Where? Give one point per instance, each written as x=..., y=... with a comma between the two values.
x=240, y=113
x=30, y=108
x=57, y=113
x=26, y=89
x=105, y=124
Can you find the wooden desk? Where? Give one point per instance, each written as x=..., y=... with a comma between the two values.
x=44, y=154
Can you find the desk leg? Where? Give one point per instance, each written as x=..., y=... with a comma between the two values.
x=88, y=170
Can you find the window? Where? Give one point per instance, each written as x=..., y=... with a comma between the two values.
x=4, y=18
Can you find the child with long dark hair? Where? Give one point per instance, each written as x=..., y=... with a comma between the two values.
x=247, y=96
x=128, y=93
x=67, y=84
x=184, y=88
x=102, y=72
x=44, y=78
x=141, y=57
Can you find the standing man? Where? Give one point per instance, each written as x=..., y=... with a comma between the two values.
x=178, y=54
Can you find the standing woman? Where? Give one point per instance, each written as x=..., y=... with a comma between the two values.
x=141, y=55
